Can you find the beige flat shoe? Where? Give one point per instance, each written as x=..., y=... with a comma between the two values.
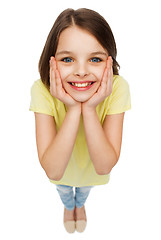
x=70, y=226
x=81, y=225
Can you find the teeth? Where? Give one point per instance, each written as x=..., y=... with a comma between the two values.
x=81, y=84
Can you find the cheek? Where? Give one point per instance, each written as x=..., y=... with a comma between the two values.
x=98, y=70
x=98, y=74
x=64, y=71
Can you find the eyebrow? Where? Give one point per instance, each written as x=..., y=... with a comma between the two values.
x=93, y=53
x=99, y=53
x=63, y=52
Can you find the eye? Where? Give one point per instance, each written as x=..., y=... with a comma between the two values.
x=67, y=59
x=95, y=59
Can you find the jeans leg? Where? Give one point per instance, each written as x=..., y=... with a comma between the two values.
x=67, y=196
x=81, y=194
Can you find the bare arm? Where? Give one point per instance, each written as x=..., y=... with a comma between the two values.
x=55, y=149
x=104, y=142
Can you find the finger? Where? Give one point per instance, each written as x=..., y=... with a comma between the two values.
x=59, y=86
x=105, y=88
x=109, y=65
x=61, y=93
x=57, y=78
x=107, y=69
x=109, y=62
x=105, y=78
x=52, y=74
x=110, y=80
x=53, y=63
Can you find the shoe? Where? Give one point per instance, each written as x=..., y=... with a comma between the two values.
x=70, y=226
x=81, y=225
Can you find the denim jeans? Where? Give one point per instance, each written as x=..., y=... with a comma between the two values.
x=69, y=199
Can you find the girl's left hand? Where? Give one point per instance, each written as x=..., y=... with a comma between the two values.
x=104, y=90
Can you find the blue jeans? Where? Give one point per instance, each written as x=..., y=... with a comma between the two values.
x=69, y=199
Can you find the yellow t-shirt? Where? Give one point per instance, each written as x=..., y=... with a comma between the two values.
x=80, y=170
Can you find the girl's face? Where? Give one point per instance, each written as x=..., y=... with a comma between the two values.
x=81, y=61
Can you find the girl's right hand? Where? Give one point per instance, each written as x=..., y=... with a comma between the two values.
x=56, y=87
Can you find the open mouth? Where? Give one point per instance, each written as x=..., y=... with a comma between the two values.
x=81, y=85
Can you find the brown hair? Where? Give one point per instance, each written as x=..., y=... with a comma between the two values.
x=86, y=19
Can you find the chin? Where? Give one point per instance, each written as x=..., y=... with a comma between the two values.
x=81, y=97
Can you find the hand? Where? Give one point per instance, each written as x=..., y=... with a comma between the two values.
x=56, y=87
x=104, y=90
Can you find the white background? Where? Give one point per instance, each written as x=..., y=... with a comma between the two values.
x=129, y=206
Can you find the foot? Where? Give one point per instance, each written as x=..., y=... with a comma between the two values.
x=81, y=219
x=69, y=215
x=80, y=214
x=69, y=220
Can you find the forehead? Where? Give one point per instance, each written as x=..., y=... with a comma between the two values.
x=75, y=38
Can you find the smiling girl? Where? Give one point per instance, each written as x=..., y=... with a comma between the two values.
x=79, y=106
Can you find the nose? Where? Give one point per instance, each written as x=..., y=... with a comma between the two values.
x=81, y=70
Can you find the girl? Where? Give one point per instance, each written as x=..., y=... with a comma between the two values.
x=79, y=106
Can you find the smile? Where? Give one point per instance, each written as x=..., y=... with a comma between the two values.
x=85, y=84
x=81, y=85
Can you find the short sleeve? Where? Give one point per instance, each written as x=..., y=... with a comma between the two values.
x=41, y=99
x=120, y=100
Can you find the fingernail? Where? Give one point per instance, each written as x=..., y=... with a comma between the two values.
x=51, y=58
x=111, y=60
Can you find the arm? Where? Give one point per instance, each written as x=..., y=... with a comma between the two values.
x=104, y=142
x=55, y=149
